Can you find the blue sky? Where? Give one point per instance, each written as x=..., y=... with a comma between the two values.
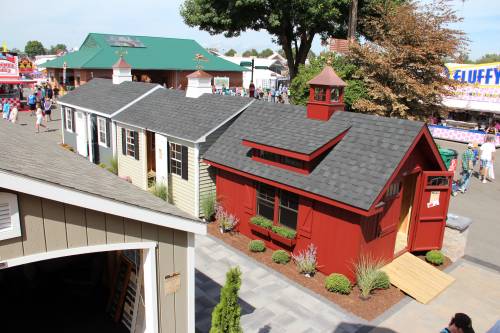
x=69, y=22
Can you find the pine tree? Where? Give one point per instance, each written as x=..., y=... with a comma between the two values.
x=226, y=314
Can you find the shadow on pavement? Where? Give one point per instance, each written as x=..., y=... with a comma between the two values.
x=207, y=295
x=357, y=328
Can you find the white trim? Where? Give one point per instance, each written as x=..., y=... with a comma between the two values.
x=90, y=144
x=203, y=138
x=63, y=122
x=197, y=179
x=136, y=100
x=149, y=267
x=65, y=125
x=105, y=145
x=114, y=138
x=79, y=108
x=78, y=198
x=15, y=223
x=190, y=282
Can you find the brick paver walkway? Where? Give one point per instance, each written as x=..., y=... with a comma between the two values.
x=268, y=302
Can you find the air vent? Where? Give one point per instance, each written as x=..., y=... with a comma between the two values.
x=10, y=225
x=5, y=220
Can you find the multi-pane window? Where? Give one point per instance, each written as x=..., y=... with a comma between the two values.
x=69, y=120
x=334, y=95
x=288, y=212
x=176, y=159
x=130, y=142
x=280, y=159
x=437, y=181
x=102, y=135
x=265, y=201
x=320, y=94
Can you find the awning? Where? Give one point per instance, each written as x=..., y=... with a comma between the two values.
x=16, y=81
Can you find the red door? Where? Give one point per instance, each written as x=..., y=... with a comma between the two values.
x=428, y=228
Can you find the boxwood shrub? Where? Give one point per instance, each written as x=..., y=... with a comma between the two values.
x=338, y=283
x=280, y=257
x=262, y=221
x=256, y=246
x=284, y=231
x=435, y=257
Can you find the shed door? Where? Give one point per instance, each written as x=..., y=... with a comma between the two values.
x=431, y=218
x=81, y=133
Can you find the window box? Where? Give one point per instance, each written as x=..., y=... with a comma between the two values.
x=288, y=242
x=261, y=231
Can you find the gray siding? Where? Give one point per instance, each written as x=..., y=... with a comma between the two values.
x=49, y=225
x=69, y=138
x=105, y=154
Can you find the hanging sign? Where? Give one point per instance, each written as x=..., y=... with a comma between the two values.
x=9, y=66
x=221, y=82
x=434, y=199
x=172, y=283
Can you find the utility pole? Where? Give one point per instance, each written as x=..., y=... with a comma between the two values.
x=353, y=20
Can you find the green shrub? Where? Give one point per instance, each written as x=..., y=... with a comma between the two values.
x=160, y=190
x=256, y=246
x=113, y=165
x=226, y=314
x=284, y=231
x=338, y=283
x=262, y=221
x=102, y=165
x=208, y=204
x=280, y=257
x=435, y=257
x=369, y=276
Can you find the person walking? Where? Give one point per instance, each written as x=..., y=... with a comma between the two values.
x=39, y=120
x=47, y=109
x=50, y=92
x=467, y=167
x=6, y=109
x=460, y=323
x=56, y=93
x=487, y=157
x=32, y=103
x=13, y=115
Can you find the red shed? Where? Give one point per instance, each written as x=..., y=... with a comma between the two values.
x=349, y=183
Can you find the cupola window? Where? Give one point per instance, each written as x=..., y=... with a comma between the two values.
x=320, y=94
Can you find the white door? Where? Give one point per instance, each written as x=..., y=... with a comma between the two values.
x=81, y=133
x=161, y=159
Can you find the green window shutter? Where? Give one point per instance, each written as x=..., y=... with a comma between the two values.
x=124, y=142
x=136, y=145
x=185, y=162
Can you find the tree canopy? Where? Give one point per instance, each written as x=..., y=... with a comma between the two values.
x=54, y=49
x=265, y=53
x=230, y=53
x=34, y=48
x=488, y=57
x=355, y=90
x=293, y=23
x=402, y=66
x=250, y=53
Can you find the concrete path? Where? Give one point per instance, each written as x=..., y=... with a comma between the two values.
x=482, y=204
x=476, y=292
x=268, y=302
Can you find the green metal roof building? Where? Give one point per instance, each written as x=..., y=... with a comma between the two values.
x=163, y=60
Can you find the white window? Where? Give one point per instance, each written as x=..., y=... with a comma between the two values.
x=176, y=159
x=130, y=142
x=102, y=135
x=10, y=225
x=69, y=120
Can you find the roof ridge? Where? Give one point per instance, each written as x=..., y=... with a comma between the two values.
x=160, y=37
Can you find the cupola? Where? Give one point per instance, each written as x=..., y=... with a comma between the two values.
x=199, y=83
x=326, y=95
x=122, y=71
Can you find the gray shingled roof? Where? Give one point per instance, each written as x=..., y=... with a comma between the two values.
x=35, y=156
x=105, y=97
x=182, y=117
x=354, y=172
x=298, y=134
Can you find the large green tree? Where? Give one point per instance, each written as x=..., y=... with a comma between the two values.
x=230, y=53
x=54, y=49
x=402, y=65
x=489, y=57
x=265, y=53
x=355, y=90
x=226, y=314
x=34, y=48
x=250, y=53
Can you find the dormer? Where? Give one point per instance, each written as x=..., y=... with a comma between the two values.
x=326, y=95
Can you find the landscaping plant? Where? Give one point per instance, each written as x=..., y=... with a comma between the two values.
x=280, y=257
x=160, y=190
x=369, y=276
x=262, y=221
x=208, y=205
x=284, y=231
x=226, y=314
x=113, y=165
x=256, y=246
x=435, y=257
x=338, y=283
x=227, y=222
x=306, y=260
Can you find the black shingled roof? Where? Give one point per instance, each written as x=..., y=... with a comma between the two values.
x=182, y=117
x=354, y=172
x=103, y=96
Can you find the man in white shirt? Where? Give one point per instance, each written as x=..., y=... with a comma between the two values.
x=487, y=156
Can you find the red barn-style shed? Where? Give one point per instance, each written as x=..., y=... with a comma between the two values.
x=348, y=183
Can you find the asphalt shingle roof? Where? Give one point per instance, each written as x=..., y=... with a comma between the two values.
x=354, y=172
x=35, y=156
x=105, y=97
x=179, y=116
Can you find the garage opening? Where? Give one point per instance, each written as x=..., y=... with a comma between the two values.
x=96, y=292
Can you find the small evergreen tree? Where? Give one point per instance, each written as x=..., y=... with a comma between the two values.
x=226, y=314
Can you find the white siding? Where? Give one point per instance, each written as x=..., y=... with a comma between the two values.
x=183, y=191
x=129, y=166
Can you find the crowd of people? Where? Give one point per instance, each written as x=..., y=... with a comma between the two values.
x=40, y=102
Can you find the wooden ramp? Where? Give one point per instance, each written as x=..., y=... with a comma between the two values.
x=417, y=278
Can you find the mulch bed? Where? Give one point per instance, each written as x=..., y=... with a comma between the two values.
x=379, y=302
